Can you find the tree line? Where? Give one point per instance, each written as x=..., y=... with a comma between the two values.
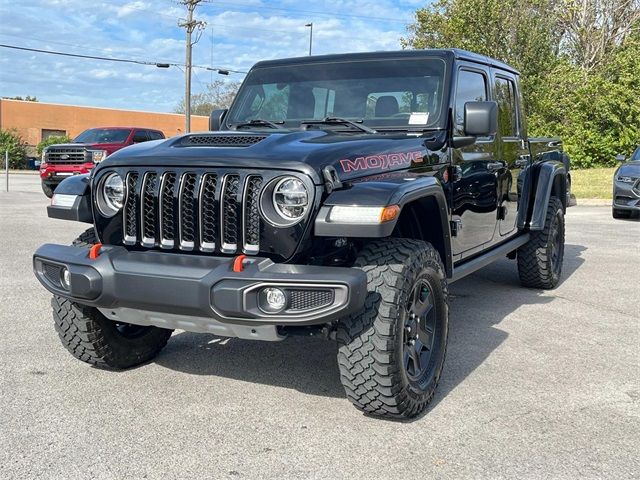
x=579, y=62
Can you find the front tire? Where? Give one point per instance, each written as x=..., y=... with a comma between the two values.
x=47, y=190
x=540, y=259
x=392, y=353
x=91, y=337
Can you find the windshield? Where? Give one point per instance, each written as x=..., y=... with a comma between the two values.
x=636, y=155
x=381, y=93
x=103, y=135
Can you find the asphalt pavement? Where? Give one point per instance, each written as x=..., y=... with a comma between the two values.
x=536, y=384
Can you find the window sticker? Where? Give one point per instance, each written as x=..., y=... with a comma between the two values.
x=419, y=118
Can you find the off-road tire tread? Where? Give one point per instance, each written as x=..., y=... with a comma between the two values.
x=534, y=265
x=366, y=341
x=83, y=331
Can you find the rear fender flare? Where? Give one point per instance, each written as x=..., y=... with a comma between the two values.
x=544, y=177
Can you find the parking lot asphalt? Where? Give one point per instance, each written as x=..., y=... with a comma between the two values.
x=536, y=384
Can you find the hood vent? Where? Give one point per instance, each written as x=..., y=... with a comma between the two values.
x=216, y=140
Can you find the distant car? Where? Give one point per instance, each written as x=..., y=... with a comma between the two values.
x=88, y=149
x=626, y=186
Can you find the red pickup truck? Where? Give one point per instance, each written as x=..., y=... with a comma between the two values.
x=89, y=148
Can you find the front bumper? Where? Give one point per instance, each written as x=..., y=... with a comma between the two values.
x=202, y=288
x=626, y=196
x=53, y=174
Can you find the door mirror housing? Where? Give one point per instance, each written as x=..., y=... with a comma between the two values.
x=620, y=158
x=480, y=119
x=216, y=118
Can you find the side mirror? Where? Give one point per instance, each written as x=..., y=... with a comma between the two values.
x=620, y=158
x=216, y=118
x=480, y=119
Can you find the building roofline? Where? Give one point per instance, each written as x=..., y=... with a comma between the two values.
x=98, y=108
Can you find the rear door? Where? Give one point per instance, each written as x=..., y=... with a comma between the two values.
x=474, y=187
x=512, y=151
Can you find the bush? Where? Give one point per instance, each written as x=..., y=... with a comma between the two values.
x=53, y=140
x=11, y=141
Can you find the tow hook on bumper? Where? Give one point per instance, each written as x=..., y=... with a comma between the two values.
x=181, y=289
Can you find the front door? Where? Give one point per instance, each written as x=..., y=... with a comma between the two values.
x=474, y=191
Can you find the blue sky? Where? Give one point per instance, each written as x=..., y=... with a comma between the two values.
x=238, y=33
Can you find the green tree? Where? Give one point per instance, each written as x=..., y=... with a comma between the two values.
x=53, y=140
x=10, y=141
x=218, y=94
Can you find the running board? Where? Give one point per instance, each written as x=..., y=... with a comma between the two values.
x=485, y=259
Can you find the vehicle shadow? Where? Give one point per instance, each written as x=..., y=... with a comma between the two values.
x=478, y=304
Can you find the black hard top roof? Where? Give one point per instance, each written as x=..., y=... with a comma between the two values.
x=449, y=53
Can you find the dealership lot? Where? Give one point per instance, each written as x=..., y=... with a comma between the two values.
x=536, y=384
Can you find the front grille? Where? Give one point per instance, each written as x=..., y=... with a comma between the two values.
x=65, y=156
x=309, y=299
x=202, y=211
x=622, y=200
x=216, y=140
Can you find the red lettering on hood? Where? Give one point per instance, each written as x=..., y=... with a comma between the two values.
x=381, y=162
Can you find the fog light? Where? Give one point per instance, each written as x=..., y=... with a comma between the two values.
x=272, y=300
x=65, y=278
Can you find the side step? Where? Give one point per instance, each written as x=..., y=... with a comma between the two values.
x=484, y=259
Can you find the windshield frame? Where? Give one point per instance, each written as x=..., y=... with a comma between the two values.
x=101, y=129
x=438, y=124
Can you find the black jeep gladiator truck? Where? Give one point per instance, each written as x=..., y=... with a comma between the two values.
x=339, y=195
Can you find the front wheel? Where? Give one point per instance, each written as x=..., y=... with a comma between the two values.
x=91, y=337
x=392, y=353
x=48, y=190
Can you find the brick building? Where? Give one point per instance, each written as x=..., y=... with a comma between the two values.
x=36, y=121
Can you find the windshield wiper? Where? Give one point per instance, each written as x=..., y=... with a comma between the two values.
x=258, y=122
x=339, y=121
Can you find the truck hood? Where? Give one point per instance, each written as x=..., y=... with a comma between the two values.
x=308, y=152
x=630, y=169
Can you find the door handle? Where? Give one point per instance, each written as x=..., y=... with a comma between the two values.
x=494, y=166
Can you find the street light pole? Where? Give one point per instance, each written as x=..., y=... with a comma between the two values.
x=310, y=25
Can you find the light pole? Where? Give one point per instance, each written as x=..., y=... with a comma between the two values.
x=310, y=25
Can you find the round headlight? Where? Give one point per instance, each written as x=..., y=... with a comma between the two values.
x=111, y=195
x=290, y=199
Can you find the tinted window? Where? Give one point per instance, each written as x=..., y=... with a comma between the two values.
x=140, y=136
x=636, y=155
x=378, y=92
x=153, y=135
x=508, y=114
x=471, y=87
x=103, y=135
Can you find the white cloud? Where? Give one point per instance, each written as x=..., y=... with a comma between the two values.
x=242, y=33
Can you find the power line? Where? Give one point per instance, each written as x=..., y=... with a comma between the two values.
x=223, y=71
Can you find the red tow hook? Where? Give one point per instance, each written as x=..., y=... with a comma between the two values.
x=94, y=251
x=238, y=263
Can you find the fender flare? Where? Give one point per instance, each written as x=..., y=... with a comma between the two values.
x=78, y=186
x=543, y=178
x=381, y=193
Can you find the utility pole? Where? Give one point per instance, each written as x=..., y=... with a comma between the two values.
x=310, y=25
x=190, y=26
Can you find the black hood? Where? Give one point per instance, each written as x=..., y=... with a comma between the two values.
x=308, y=152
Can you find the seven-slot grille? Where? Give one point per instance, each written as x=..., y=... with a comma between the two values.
x=204, y=211
x=67, y=156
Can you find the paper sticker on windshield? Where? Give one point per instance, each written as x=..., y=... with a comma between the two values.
x=419, y=118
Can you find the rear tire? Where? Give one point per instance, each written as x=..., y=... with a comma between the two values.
x=47, y=190
x=540, y=259
x=89, y=336
x=392, y=353
x=617, y=213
